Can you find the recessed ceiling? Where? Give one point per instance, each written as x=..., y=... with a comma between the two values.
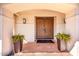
x=63, y=8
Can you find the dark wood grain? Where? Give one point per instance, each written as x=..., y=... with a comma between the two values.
x=44, y=27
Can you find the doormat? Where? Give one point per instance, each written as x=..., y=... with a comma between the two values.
x=45, y=41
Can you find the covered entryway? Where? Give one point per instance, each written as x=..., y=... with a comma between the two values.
x=61, y=12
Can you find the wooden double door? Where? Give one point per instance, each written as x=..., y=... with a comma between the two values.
x=44, y=27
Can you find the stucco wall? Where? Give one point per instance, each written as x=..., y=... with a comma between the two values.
x=77, y=27
x=0, y=27
x=29, y=29
x=0, y=33
x=72, y=27
x=77, y=23
x=7, y=29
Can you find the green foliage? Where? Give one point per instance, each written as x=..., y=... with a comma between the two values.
x=63, y=36
x=58, y=36
x=16, y=38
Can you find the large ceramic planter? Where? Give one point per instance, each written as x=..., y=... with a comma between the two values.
x=17, y=47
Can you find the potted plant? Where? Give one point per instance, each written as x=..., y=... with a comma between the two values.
x=18, y=42
x=64, y=37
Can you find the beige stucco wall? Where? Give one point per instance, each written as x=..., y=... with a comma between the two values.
x=0, y=27
x=77, y=23
x=72, y=26
x=29, y=29
x=0, y=33
x=7, y=29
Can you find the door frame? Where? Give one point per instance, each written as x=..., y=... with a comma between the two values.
x=52, y=27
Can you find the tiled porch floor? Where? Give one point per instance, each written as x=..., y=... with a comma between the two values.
x=40, y=47
x=37, y=49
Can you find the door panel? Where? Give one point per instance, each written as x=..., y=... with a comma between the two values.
x=44, y=27
x=39, y=28
x=49, y=28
